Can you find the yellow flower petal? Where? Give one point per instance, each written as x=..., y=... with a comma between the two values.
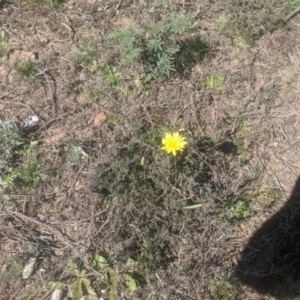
x=173, y=142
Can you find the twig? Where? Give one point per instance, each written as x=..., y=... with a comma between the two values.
x=291, y=15
x=53, y=98
x=2, y=96
x=61, y=117
x=106, y=222
x=75, y=179
x=56, y=232
x=71, y=31
x=19, y=103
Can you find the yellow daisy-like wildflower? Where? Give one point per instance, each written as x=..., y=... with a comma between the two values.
x=173, y=142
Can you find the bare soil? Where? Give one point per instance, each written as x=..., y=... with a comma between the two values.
x=64, y=215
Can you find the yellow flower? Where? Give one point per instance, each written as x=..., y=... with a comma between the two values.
x=173, y=142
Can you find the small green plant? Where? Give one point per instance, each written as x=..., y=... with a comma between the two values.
x=292, y=4
x=213, y=82
x=93, y=93
x=155, y=48
x=32, y=293
x=86, y=52
x=221, y=21
x=240, y=41
x=268, y=194
x=80, y=283
x=19, y=166
x=26, y=70
x=26, y=174
x=96, y=277
x=11, y=138
x=225, y=288
x=113, y=278
x=109, y=75
x=13, y=268
x=241, y=211
x=235, y=210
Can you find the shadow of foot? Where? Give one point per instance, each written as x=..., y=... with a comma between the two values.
x=270, y=262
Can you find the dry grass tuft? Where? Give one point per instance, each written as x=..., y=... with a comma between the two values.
x=90, y=179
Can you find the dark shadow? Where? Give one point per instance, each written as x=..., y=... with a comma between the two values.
x=192, y=51
x=270, y=262
x=227, y=147
x=2, y=2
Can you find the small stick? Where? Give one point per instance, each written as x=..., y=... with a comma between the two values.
x=2, y=96
x=56, y=232
x=18, y=103
x=291, y=15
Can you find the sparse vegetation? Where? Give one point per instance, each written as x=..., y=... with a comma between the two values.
x=11, y=138
x=26, y=70
x=12, y=269
x=97, y=278
x=213, y=82
x=86, y=52
x=33, y=294
x=155, y=48
x=27, y=175
x=225, y=288
x=18, y=164
x=91, y=177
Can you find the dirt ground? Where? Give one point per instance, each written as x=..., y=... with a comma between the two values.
x=255, y=108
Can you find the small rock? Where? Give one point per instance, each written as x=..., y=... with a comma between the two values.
x=57, y=294
x=44, y=40
x=34, y=55
x=29, y=268
x=82, y=76
x=99, y=119
x=31, y=122
x=34, y=120
x=3, y=269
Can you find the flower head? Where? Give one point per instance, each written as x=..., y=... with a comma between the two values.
x=173, y=142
